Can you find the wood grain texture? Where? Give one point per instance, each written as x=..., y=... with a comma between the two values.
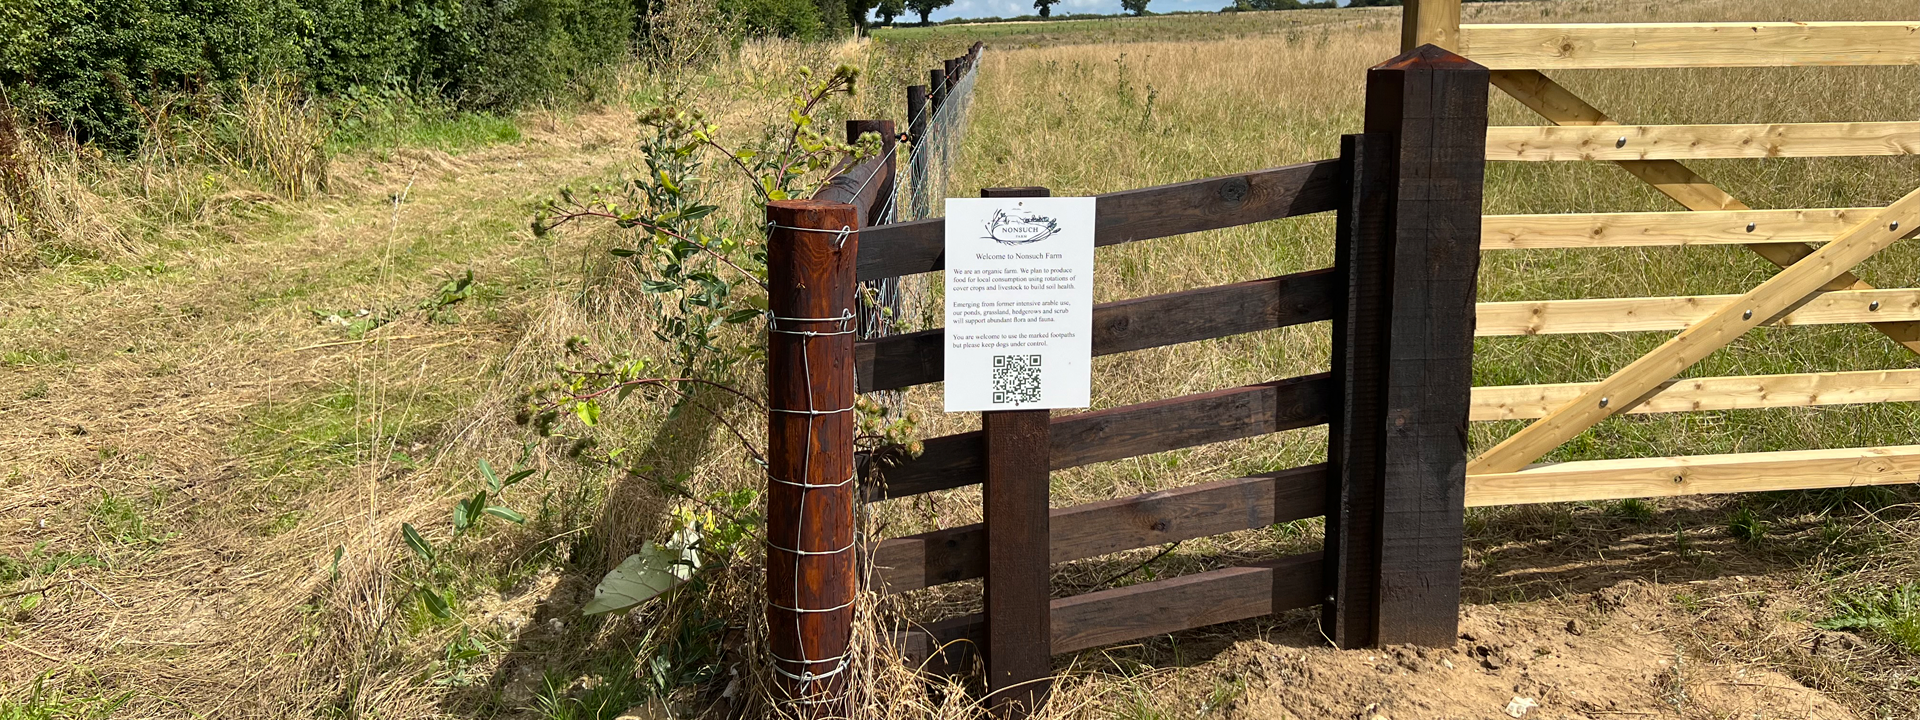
x=1700, y=142
x=1590, y=46
x=1430, y=22
x=1790, y=287
x=953, y=461
x=1656, y=229
x=1017, y=531
x=1131, y=215
x=810, y=524
x=1560, y=317
x=910, y=359
x=1363, y=246
x=1145, y=610
x=1560, y=106
x=1520, y=402
x=1697, y=475
x=1109, y=526
x=1433, y=104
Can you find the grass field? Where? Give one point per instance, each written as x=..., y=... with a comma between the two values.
x=203, y=474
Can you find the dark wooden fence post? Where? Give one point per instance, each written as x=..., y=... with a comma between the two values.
x=1361, y=246
x=916, y=160
x=810, y=426
x=1431, y=107
x=1019, y=634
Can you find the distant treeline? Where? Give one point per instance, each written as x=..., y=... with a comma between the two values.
x=101, y=67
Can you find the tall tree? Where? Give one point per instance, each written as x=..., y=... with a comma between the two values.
x=1137, y=7
x=890, y=9
x=926, y=7
x=1044, y=6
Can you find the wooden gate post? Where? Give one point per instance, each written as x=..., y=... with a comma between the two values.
x=1430, y=105
x=810, y=427
x=1019, y=632
x=1361, y=248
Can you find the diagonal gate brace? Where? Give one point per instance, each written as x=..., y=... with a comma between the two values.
x=1560, y=106
x=1789, y=287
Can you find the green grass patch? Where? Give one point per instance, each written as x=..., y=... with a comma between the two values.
x=392, y=120
x=1891, y=614
x=43, y=703
x=341, y=428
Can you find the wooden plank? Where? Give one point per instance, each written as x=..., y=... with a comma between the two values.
x=1561, y=317
x=1016, y=590
x=1745, y=392
x=1132, y=215
x=1587, y=46
x=1148, y=609
x=910, y=359
x=1790, y=287
x=1186, y=602
x=1430, y=22
x=1434, y=104
x=1529, y=143
x=1109, y=526
x=1697, y=475
x=1657, y=229
x=953, y=461
x=1560, y=106
x=1362, y=256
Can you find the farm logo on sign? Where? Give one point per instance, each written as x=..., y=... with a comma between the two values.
x=1020, y=227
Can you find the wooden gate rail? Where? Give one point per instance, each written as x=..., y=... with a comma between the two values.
x=902, y=361
x=1642, y=314
x=1654, y=229
x=953, y=461
x=1697, y=475
x=953, y=554
x=1740, y=392
x=1547, y=143
x=1400, y=296
x=1154, y=608
x=1130, y=215
x=1595, y=46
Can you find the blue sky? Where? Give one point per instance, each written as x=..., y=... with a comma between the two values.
x=1013, y=8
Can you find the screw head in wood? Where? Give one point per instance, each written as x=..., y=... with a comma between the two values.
x=1622, y=142
x=1748, y=315
x=1329, y=599
x=1893, y=225
x=1750, y=227
x=1678, y=479
x=1604, y=401
x=1873, y=306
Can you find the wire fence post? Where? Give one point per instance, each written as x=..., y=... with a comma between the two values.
x=811, y=580
x=917, y=160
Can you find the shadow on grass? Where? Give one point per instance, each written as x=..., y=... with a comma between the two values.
x=563, y=665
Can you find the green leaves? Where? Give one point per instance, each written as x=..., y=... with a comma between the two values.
x=588, y=411
x=419, y=544
x=439, y=605
x=647, y=574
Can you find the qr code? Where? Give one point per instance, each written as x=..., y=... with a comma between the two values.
x=1016, y=379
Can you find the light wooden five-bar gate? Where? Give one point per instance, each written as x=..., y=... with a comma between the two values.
x=1815, y=285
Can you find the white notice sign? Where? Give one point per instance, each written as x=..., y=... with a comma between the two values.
x=1019, y=303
